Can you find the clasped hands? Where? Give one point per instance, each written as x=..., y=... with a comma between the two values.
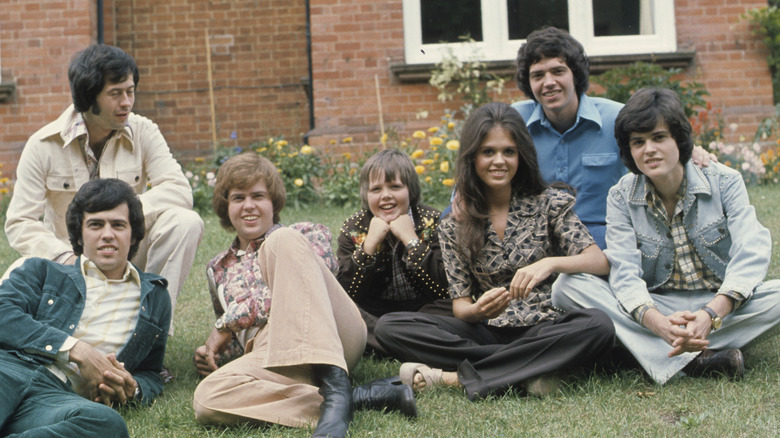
x=401, y=227
x=106, y=379
x=685, y=331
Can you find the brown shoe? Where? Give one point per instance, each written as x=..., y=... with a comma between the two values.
x=709, y=362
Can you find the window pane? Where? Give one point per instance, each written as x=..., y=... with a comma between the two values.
x=525, y=16
x=448, y=20
x=622, y=17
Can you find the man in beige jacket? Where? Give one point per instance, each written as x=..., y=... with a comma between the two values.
x=99, y=137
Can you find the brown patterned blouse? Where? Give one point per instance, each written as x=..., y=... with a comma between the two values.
x=537, y=227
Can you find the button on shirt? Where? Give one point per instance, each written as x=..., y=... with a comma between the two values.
x=586, y=156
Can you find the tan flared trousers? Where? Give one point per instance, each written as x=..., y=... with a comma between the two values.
x=312, y=321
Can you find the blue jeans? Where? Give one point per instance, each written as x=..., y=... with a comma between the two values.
x=35, y=403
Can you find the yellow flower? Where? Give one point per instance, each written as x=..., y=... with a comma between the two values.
x=417, y=154
x=347, y=155
x=346, y=140
x=3, y=180
x=428, y=222
x=298, y=182
x=448, y=182
x=200, y=160
x=404, y=144
x=418, y=135
x=3, y=190
x=419, y=169
x=435, y=141
x=333, y=142
x=427, y=161
x=384, y=138
x=444, y=166
x=453, y=145
x=270, y=140
x=260, y=150
x=428, y=179
x=451, y=125
x=281, y=143
x=306, y=149
x=433, y=129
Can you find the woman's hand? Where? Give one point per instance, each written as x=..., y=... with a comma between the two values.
x=205, y=355
x=527, y=277
x=488, y=306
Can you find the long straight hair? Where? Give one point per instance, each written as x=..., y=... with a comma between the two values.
x=471, y=190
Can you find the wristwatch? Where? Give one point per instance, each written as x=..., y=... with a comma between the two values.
x=219, y=324
x=412, y=243
x=716, y=321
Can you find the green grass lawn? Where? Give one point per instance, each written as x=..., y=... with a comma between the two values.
x=601, y=403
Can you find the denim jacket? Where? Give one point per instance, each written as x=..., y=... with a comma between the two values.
x=718, y=219
x=40, y=306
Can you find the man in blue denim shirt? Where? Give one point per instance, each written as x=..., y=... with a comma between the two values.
x=573, y=133
x=688, y=256
x=79, y=338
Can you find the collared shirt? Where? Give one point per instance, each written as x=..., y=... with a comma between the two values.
x=110, y=316
x=586, y=156
x=537, y=227
x=241, y=291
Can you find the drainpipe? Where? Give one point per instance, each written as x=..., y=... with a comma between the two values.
x=100, y=36
x=310, y=94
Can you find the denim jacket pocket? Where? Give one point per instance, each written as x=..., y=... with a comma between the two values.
x=598, y=160
x=53, y=308
x=715, y=240
x=144, y=337
x=651, y=254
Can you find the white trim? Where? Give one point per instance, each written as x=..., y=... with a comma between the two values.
x=497, y=46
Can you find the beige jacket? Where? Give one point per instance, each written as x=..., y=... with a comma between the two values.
x=50, y=172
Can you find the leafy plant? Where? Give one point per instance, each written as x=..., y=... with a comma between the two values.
x=621, y=83
x=765, y=23
x=468, y=80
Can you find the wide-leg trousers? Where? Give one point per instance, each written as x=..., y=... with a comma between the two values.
x=312, y=321
x=35, y=403
x=490, y=360
x=758, y=315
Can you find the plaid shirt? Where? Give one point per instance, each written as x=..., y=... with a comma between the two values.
x=537, y=227
x=689, y=272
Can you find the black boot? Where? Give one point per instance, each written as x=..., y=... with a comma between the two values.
x=336, y=409
x=387, y=393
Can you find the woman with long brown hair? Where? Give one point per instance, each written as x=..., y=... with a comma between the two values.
x=511, y=236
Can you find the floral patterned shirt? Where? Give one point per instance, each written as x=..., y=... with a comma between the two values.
x=239, y=282
x=537, y=227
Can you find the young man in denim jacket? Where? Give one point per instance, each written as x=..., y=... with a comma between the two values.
x=79, y=338
x=688, y=256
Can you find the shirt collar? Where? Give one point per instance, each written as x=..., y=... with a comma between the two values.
x=88, y=268
x=585, y=111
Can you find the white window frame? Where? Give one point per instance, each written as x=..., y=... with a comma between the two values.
x=496, y=45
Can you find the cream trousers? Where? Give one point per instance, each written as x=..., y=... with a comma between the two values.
x=312, y=321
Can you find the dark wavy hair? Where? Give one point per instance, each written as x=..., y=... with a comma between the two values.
x=391, y=162
x=104, y=194
x=471, y=190
x=94, y=67
x=551, y=42
x=642, y=112
x=241, y=172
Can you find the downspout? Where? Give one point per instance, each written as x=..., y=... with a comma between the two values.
x=310, y=94
x=100, y=36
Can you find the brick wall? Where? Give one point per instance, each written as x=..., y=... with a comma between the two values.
x=37, y=40
x=258, y=54
x=354, y=40
x=258, y=58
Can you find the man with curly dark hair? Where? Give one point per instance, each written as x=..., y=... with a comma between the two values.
x=78, y=339
x=573, y=132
